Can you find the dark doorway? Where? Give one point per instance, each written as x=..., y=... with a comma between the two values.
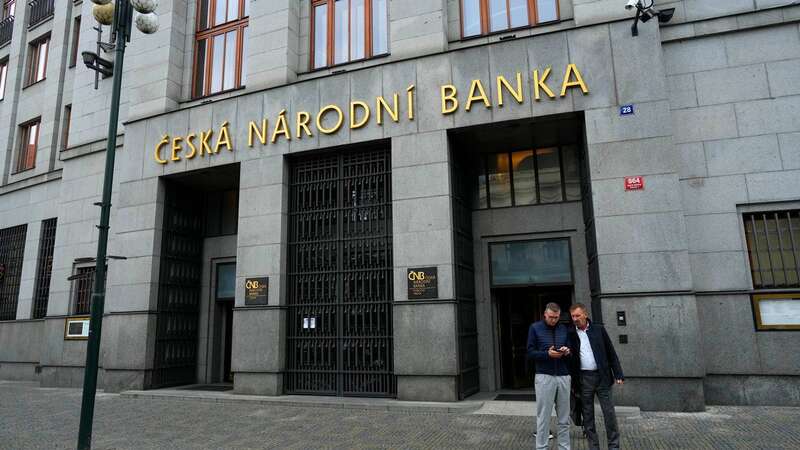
x=224, y=293
x=197, y=205
x=227, y=376
x=517, y=309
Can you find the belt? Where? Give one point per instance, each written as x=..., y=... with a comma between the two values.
x=590, y=371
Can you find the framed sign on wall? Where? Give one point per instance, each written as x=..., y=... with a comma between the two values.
x=777, y=311
x=76, y=328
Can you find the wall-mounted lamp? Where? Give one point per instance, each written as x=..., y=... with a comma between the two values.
x=93, y=61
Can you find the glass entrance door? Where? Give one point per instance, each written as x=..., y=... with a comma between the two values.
x=517, y=309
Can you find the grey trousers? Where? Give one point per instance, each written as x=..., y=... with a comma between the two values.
x=590, y=386
x=549, y=390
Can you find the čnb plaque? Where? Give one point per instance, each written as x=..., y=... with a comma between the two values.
x=255, y=291
x=423, y=283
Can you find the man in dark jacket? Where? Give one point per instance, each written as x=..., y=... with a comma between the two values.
x=597, y=366
x=548, y=345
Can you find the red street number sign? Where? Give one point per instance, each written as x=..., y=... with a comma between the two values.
x=634, y=183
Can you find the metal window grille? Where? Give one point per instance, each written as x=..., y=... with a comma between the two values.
x=468, y=379
x=773, y=245
x=6, y=30
x=12, y=251
x=41, y=10
x=339, y=332
x=82, y=283
x=44, y=268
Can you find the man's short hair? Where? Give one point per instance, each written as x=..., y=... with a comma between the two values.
x=580, y=306
x=553, y=307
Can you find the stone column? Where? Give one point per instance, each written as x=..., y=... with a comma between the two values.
x=259, y=336
x=129, y=325
x=425, y=337
x=273, y=36
x=417, y=29
x=641, y=236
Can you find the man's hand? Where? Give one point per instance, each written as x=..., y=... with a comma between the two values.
x=553, y=353
x=620, y=381
x=565, y=351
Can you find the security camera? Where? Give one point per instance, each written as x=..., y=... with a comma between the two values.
x=647, y=12
x=632, y=4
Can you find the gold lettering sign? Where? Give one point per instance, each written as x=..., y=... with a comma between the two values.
x=361, y=112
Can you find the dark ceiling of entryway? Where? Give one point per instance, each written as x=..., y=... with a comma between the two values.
x=220, y=178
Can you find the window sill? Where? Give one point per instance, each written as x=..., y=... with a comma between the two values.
x=209, y=97
x=41, y=22
x=337, y=68
x=508, y=30
x=33, y=84
x=23, y=171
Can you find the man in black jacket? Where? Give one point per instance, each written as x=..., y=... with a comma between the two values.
x=598, y=368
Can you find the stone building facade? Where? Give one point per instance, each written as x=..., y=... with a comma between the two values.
x=386, y=218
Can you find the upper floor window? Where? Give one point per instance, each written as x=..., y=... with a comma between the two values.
x=82, y=284
x=9, y=6
x=491, y=16
x=3, y=75
x=220, y=46
x=37, y=60
x=347, y=30
x=528, y=177
x=29, y=140
x=76, y=34
x=65, y=129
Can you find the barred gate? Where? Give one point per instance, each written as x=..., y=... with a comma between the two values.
x=468, y=370
x=339, y=333
x=178, y=292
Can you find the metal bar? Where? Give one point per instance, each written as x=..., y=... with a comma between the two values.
x=755, y=259
x=780, y=248
x=769, y=250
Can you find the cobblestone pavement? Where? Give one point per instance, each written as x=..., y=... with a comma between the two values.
x=34, y=418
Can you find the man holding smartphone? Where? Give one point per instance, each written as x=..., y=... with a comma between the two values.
x=548, y=345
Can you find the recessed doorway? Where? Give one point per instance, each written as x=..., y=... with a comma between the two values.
x=225, y=282
x=526, y=275
x=517, y=309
